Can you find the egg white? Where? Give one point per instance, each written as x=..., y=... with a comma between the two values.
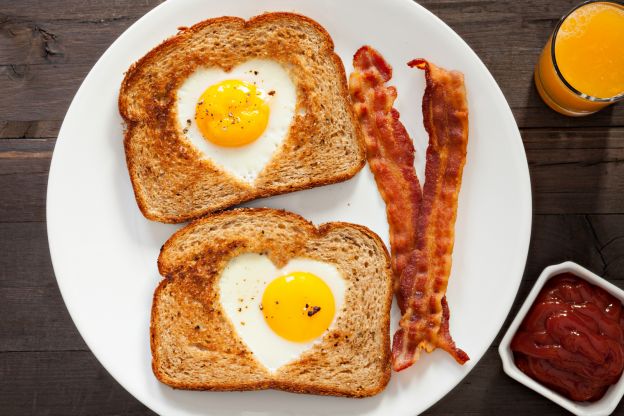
x=242, y=286
x=244, y=162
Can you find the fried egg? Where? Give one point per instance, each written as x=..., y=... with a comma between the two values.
x=280, y=313
x=238, y=119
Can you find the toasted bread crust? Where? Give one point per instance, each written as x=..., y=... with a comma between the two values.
x=154, y=145
x=170, y=267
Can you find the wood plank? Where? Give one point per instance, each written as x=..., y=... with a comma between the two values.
x=23, y=197
x=24, y=166
x=595, y=242
x=579, y=171
x=38, y=129
x=34, y=317
x=46, y=49
x=508, y=37
x=45, y=56
x=25, y=156
x=61, y=383
x=46, y=52
x=609, y=240
x=559, y=238
x=25, y=258
x=73, y=382
x=39, y=92
x=573, y=171
x=487, y=390
x=93, y=11
x=37, y=41
x=576, y=171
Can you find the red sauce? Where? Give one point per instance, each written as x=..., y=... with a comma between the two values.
x=572, y=339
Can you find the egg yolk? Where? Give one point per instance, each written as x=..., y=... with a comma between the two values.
x=232, y=113
x=298, y=306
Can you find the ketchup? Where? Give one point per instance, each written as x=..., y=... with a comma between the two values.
x=572, y=339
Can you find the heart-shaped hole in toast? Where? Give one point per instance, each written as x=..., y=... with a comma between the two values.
x=273, y=86
x=242, y=286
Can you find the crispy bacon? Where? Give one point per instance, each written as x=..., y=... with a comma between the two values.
x=421, y=224
x=425, y=321
x=389, y=150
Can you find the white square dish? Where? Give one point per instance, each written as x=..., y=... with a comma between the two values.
x=609, y=402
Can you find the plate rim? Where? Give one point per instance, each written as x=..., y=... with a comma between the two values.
x=517, y=142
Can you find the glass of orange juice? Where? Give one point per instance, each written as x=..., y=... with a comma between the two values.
x=581, y=68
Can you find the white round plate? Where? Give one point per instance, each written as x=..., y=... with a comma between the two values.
x=104, y=251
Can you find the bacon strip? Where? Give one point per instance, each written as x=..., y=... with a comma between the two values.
x=390, y=152
x=421, y=223
x=425, y=321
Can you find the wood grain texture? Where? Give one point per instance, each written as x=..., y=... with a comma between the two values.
x=576, y=170
x=35, y=322
x=34, y=317
x=573, y=171
x=46, y=50
x=509, y=36
x=61, y=383
x=488, y=391
x=24, y=165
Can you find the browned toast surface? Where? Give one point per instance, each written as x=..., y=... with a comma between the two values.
x=172, y=181
x=195, y=346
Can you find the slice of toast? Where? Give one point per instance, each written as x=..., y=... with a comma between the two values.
x=195, y=346
x=172, y=180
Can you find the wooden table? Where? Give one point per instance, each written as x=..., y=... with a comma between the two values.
x=47, y=48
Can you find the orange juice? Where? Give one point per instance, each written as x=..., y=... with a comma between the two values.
x=584, y=71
